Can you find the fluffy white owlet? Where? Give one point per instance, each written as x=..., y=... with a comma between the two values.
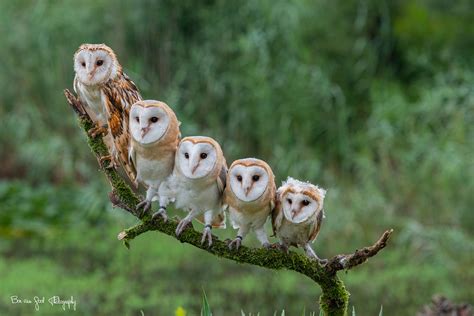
x=155, y=136
x=197, y=183
x=298, y=215
x=250, y=196
x=103, y=87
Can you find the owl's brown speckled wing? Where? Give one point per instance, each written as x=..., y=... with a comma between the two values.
x=272, y=196
x=119, y=95
x=220, y=219
x=277, y=215
x=315, y=229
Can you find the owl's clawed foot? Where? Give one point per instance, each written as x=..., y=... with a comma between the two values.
x=161, y=212
x=313, y=256
x=146, y=205
x=206, y=234
x=98, y=130
x=112, y=164
x=235, y=244
x=267, y=245
x=182, y=226
x=321, y=262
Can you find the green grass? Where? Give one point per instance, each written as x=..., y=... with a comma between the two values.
x=206, y=309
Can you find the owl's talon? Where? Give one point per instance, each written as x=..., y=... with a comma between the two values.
x=182, y=226
x=322, y=262
x=313, y=256
x=235, y=243
x=112, y=164
x=146, y=204
x=206, y=234
x=161, y=212
x=267, y=245
x=98, y=130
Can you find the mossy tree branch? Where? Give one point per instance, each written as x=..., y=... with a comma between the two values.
x=334, y=299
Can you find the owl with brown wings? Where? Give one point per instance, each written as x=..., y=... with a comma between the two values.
x=108, y=93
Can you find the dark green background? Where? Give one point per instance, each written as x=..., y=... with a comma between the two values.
x=372, y=100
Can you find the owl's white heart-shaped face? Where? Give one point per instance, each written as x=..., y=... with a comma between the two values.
x=196, y=159
x=148, y=124
x=248, y=182
x=298, y=207
x=94, y=66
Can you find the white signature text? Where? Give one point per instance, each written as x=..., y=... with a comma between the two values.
x=37, y=301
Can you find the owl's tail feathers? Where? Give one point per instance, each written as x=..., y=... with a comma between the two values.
x=131, y=174
x=128, y=174
x=76, y=105
x=127, y=165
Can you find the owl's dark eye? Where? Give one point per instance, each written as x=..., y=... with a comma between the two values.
x=289, y=201
x=100, y=62
x=83, y=64
x=186, y=155
x=239, y=178
x=137, y=119
x=203, y=156
x=154, y=119
x=305, y=202
x=256, y=178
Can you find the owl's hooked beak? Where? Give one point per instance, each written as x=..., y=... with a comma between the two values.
x=194, y=169
x=247, y=190
x=294, y=213
x=145, y=131
x=92, y=73
x=247, y=185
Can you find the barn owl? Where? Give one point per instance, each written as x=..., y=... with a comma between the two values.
x=250, y=197
x=155, y=135
x=197, y=183
x=107, y=91
x=297, y=217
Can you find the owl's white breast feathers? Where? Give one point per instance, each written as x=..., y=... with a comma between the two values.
x=298, y=234
x=248, y=219
x=92, y=98
x=192, y=194
x=153, y=171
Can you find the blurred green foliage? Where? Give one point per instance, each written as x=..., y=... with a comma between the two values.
x=373, y=100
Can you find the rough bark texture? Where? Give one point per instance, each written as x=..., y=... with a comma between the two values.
x=334, y=299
